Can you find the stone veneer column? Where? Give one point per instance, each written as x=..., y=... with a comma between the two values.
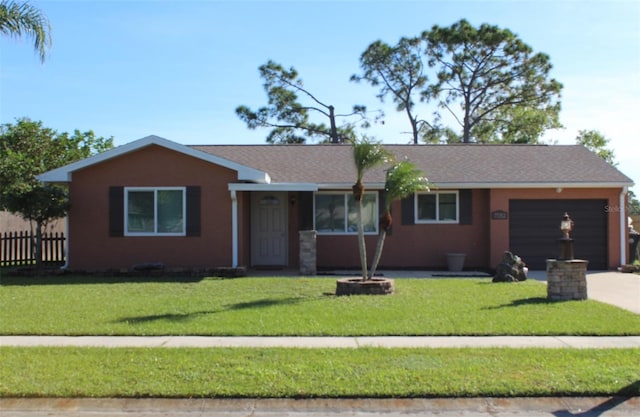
x=307, y=252
x=566, y=280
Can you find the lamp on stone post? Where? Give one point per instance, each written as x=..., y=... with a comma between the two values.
x=566, y=276
x=566, y=243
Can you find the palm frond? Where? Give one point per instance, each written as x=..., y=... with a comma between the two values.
x=23, y=19
x=367, y=155
x=402, y=180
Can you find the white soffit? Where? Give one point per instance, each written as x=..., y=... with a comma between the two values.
x=282, y=186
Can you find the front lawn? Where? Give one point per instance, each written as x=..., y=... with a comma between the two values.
x=296, y=306
x=365, y=372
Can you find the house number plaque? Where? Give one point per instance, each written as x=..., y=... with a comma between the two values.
x=499, y=215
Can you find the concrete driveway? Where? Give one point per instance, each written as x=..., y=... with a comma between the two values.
x=612, y=287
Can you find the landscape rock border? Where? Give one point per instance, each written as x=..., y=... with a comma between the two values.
x=373, y=286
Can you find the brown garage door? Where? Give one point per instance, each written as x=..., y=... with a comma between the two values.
x=534, y=227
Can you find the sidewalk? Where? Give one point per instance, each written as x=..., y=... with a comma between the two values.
x=551, y=342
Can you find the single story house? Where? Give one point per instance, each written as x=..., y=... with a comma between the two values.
x=154, y=200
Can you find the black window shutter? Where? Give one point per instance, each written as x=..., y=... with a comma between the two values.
x=466, y=208
x=193, y=211
x=116, y=211
x=381, y=201
x=305, y=210
x=408, y=210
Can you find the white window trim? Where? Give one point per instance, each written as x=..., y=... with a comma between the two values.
x=155, y=210
x=345, y=195
x=436, y=221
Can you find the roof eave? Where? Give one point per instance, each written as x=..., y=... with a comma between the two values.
x=349, y=186
x=275, y=186
x=479, y=185
x=469, y=185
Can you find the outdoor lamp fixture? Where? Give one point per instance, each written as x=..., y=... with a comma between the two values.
x=566, y=225
x=566, y=243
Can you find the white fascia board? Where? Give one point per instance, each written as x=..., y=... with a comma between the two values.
x=494, y=185
x=491, y=185
x=343, y=186
x=278, y=186
x=63, y=174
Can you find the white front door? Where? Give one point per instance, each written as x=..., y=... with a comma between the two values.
x=268, y=228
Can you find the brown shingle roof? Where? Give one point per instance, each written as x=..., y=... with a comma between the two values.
x=443, y=164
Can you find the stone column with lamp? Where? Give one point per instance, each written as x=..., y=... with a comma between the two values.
x=566, y=276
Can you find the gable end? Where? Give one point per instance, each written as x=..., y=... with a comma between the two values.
x=64, y=174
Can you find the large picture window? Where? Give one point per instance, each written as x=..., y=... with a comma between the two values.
x=155, y=211
x=336, y=213
x=437, y=207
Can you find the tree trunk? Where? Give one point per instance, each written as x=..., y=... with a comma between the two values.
x=362, y=247
x=378, y=254
x=385, y=224
x=358, y=193
x=466, y=131
x=466, y=128
x=334, y=129
x=414, y=125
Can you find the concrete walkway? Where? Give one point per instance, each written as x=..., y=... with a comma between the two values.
x=551, y=342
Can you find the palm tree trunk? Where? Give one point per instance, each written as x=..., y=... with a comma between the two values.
x=378, y=254
x=362, y=248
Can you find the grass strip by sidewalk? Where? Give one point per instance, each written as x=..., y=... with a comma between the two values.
x=306, y=373
x=70, y=305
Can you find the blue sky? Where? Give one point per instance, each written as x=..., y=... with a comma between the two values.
x=178, y=69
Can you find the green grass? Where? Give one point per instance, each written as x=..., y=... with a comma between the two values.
x=296, y=306
x=304, y=373
x=305, y=306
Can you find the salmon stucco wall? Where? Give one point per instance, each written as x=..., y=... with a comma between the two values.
x=499, y=200
x=417, y=246
x=92, y=248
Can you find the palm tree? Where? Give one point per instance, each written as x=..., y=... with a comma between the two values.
x=403, y=179
x=366, y=155
x=22, y=19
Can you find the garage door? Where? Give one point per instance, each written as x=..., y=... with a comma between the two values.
x=534, y=227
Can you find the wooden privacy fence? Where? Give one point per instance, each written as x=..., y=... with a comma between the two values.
x=636, y=222
x=16, y=248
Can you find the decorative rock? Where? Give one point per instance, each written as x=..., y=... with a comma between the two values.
x=511, y=269
x=628, y=269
